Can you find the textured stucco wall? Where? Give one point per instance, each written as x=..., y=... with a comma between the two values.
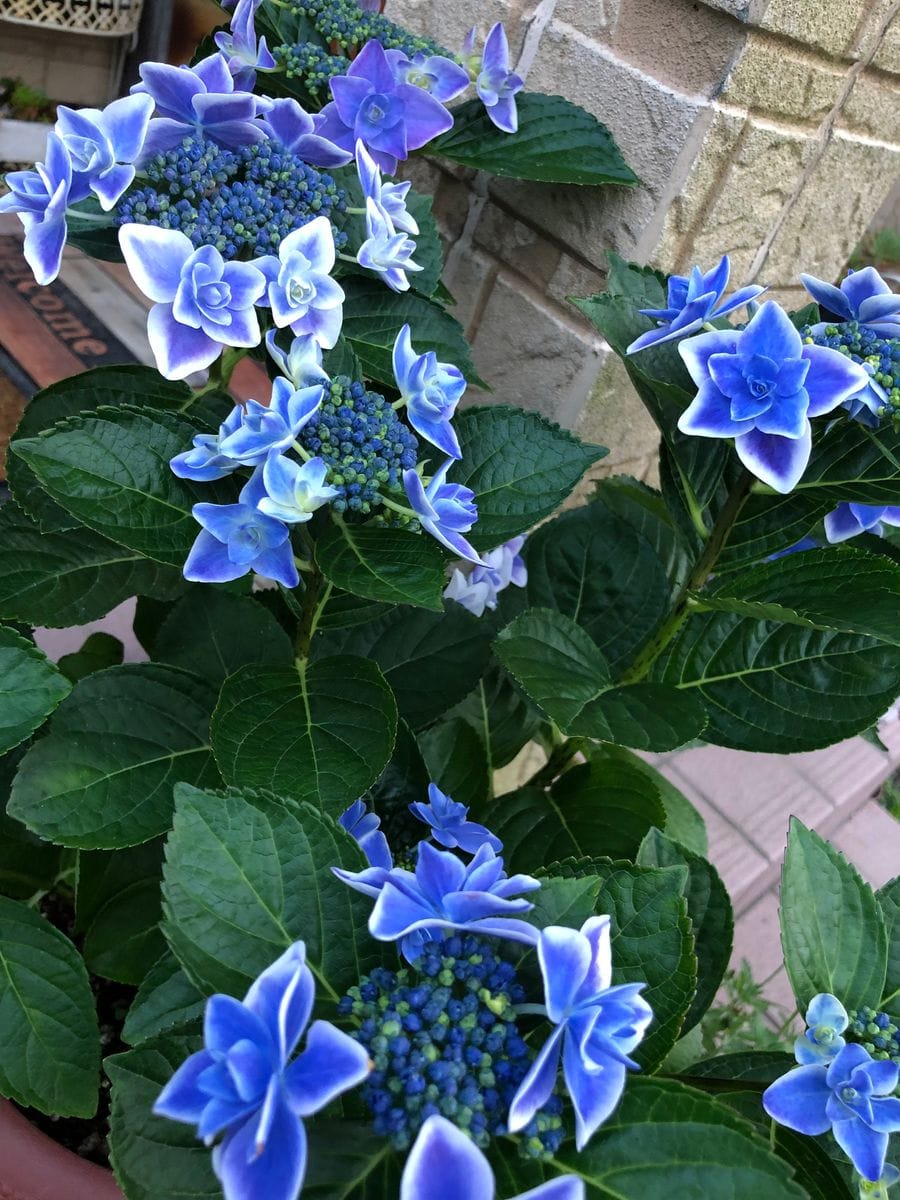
x=767, y=128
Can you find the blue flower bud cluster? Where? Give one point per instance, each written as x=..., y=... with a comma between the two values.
x=881, y=356
x=444, y=1040
x=313, y=66
x=235, y=200
x=364, y=442
x=877, y=1032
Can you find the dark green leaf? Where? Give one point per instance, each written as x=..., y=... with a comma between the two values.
x=519, y=465
x=500, y=714
x=684, y=823
x=28, y=864
x=832, y=928
x=402, y=782
x=342, y=360
x=30, y=688
x=556, y=142
x=767, y=525
x=813, y=1169
x=50, y=1049
x=102, y=776
x=456, y=760
x=166, y=1002
x=889, y=900
x=855, y=463
x=564, y=900
x=342, y=611
x=117, y=909
x=391, y=565
x=321, y=732
x=745, y=1066
x=349, y=1161
x=96, y=233
x=429, y=251
x=98, y=651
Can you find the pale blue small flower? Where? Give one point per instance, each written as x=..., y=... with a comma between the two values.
x=274, y=426
x=365, y=827
x=476, y=597
x=826, y=1019
x=598, y=1027
x=445, y=1164
x=295, y=129
x=244, y=53
x=104, y=145
x=480, y=588
x=852, y=1096
x=390, y=198
x=40, y=198
x=385, y=251
x=863, y=296
x=495, y=83
x=302, y=363
x=294, y=491
x=205, y=461
x=450, y=825
x=201, y=303
x=445, y=510
x=300, y=290
x=435, y=73
x=431, y=391
x=850, y=519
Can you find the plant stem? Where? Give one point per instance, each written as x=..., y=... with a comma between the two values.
x=560, y=757
x=698, y=576
x=314, y=601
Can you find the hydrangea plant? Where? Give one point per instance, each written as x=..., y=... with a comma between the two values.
x=331, y=959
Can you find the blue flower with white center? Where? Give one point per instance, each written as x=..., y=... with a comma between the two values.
x=692, y=301
x=385, y=251
x=300, y=290
x=301, y=363
x=495, y=83
x=205, y=461
x=446, y=510
x=201, y=303
x=295, y=129
x=598, y=1027
x=430, y=390
x=294, y=491
x=40, y=198
x=760, y=386
x=265, y=428
x=851, y=1096
x=202, y=100
x=247, y=1085
x=244, y=52
x=236, y=539
x=450, y=825
x=103, y=146
x=826, y=1020
x=443, y=893
x=365, y=827
x=438, y=75
x=863, y=296
x=444, y=1164
x=390, y=198
x=849, y=519
x=479, y=588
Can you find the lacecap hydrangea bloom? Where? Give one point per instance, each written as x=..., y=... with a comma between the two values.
x=299, y=288
x=244, y=52
x=430, y=390
x=446, y=510
x=862, y=296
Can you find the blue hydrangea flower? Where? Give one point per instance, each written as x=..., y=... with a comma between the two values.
x=450, y=825
x=385, y=251
x=597, y=1028
x=244, y=52
x=446, y=510
x=692, y=301
x=201, y=303
x=431, y=391
x=373, y=106
x=479, y=588
x=851, y=1096
x=445, y=1164
x=390, y=198
x=760, y=386
x=435, y=73
x=300, y=290
x=265, y=428
x=294, y=491
x=237, y=538
x=826, y=1020
x=301, y=363
x=205, y=461
x=443, y=893
x=365, y=827
x=495, y=83
x=40, y=198
x=879, y=356
x=863, y=296
x=295, y=129
x=850, y=519
x=199, y=99
x=247, y=1085
x=103, y=146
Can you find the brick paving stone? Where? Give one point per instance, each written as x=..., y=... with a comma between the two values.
x=871, y=841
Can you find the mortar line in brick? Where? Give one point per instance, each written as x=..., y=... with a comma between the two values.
x=689, y=786
x=684, y=256
x=484, y=296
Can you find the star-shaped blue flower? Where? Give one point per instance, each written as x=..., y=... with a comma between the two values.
x=40, y=198
x=244, y=52
x=104, y=146
x=431, y=391
x=862, y=296
x=850, y=519
x=450, y=824
x=495, y=82
x=294, y=491
x=446, y=510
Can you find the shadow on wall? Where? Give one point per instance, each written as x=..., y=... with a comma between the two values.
x=192, y=20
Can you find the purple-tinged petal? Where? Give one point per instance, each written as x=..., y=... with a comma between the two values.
x=445, y=1164
x=208, y=561
x=565, y=959
x=504, y=113
x=111, y=185
x=599, y=976
x=865, y=1148
x=155, y=259
x=173, y=88
x=278, y=563
x=777, y=461
x=44, y=244
x=536, y=1087
x=164, y=134
x=275, y=1169
x=594, y=1093
x=842, y=524
x=331, y=1063
x=798, y=1100
x=125, y=121
x=858, y=286
x=833, y=378
x=368, y=882
x=565, y=1187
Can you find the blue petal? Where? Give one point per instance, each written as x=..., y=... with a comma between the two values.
x=832, y=379
x=274, y=1171
x=772, y=334
x=828, y=297
x=865, y=1148
x=798, y=1100
x=841, y=524
x=697, y=351
x=825, y=1009
x=741, y=297
x=180, y=1099
x=282, y=997
x=709, y=415
x=566, y=1187
x=331, y=1063
x=599, y=975
x=445, y=1164
x=278, y=563
x=777, y=461
x=535, y=1088
x=208, y=561
x=155, y=259
x=178, y=349
x=886, y=1109
x=565, y=959
x=851, y=1057
x=859, y=286
x=786, y=416
x=227, y=1021
x=594, y=1093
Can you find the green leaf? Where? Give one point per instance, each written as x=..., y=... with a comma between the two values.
x=504, y=719
x=322, y=732
x=561, y=669
x=456, y=760
x=166, y=1002
x=349, y=1160
x=111, y=472
x=429, y=249
x=564, y=900
x=102, y=776
x=832, y=929
x=68, y=578
x=813, y=1169
x=82, y=392
x=96, y=233
x=28, y=864
x=556, y=142
x=216, y=633
x=30, y=688
x=431, y=660
x=98, y=651
x=684, y=823
x=754, y=679
x=709, y=908
x=155, y=1158
x=402, y=782
x=391, y=565
x=855, y=463
x=745, y=1066
x=118, y=909
x=246, y=875
x=520, y=466
x=767, y=525
x=341, y=360
x=373, y=316
x=50, y=1049
x=889, y=900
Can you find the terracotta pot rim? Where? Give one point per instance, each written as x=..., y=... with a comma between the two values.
x=34, y=1167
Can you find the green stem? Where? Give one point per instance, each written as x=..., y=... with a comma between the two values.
x=697, y=578
x=314, y=600
x=399, y=508
x=559, y=759
x=219, y=376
